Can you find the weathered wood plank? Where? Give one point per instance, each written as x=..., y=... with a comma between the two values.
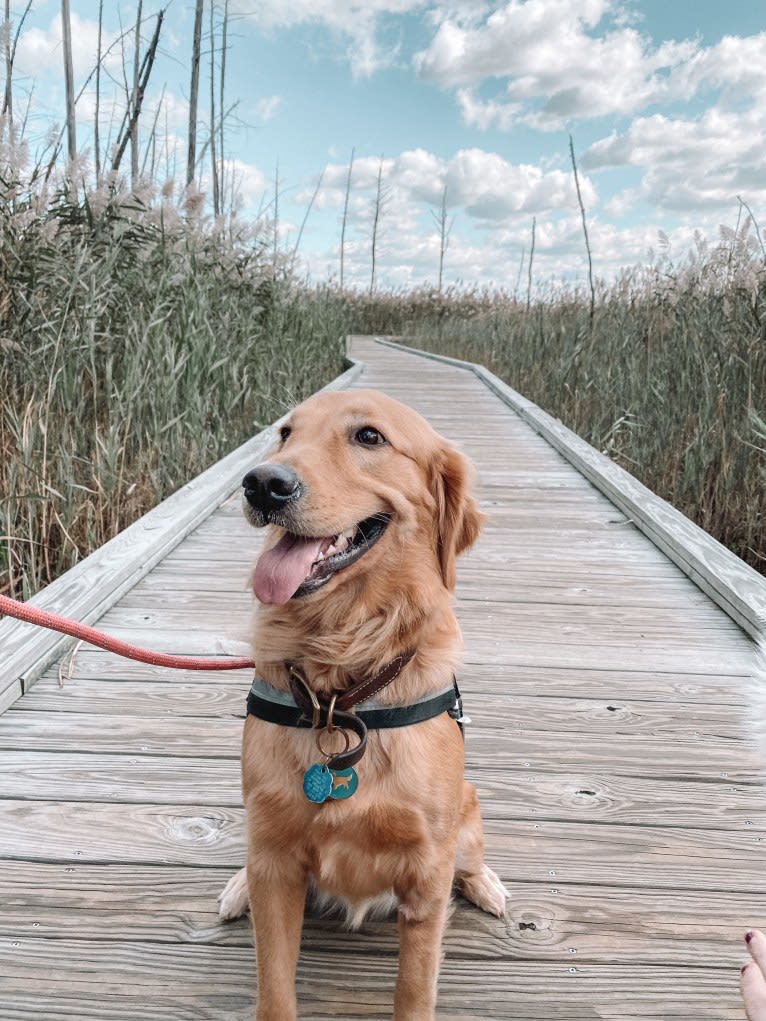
x=75, y=834
x=201, y=737
x=598, y=624
x=479, y=673
x=583, y=853
x=122, y=779
x=177, y=699
x=519, y=579
x=162, y=904
x=64, y=716
x=188, y=982
x=141, y=770
x=188, y=780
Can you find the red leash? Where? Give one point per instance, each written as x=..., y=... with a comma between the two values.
x=30, y=614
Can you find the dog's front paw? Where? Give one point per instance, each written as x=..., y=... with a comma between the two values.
x=233, y=900
x=485, y=890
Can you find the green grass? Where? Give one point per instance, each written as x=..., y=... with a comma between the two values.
x=136, y=348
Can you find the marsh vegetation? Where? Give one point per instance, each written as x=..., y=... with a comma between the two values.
x=667, y=376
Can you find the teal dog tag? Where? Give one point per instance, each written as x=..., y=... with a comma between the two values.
x=344, y=783
x=317, y=783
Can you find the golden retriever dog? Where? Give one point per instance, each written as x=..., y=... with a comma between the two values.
x=367, y=509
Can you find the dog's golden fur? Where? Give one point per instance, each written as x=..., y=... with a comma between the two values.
x=413, y=826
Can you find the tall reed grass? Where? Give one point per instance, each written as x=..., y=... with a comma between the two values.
x=139, y=343
x=670, y=381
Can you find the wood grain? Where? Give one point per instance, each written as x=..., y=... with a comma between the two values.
x=189, y=982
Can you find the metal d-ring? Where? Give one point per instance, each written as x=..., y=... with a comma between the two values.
x=330, y=755
x=316, y=709
x=330, y=726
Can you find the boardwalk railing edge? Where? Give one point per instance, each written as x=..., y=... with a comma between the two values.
x=91, y=587
x=737, y=588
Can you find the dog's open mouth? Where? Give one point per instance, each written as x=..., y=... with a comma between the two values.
x=299, y=565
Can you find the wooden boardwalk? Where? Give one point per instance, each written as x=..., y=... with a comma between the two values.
x=624, y=806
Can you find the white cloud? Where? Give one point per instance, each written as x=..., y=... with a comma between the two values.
x=484, y=114
x=490, y=201
x=357, y=22
x=267, y=107
x=489, y=189
x=41, y=49
x=617, y=206
x=691, y=164
x=494, y=256
x=250, y=183
x=561, y=60
x=492, y=189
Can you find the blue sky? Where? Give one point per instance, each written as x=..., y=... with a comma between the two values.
x=665, y=101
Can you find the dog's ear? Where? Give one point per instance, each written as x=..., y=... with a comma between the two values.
x=458, y=518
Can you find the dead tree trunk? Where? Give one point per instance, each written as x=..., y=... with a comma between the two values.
x=213, y=129
x=191, y=155
x=275, y=251
x=96, y=127
x=529, y=267
x=377, y=210
x=66, y=38
x=10, y=59
x=585, y=232
x=221, y=104
x=136, y=86
x=344, y=221
x=8, y=97
x=443, y=225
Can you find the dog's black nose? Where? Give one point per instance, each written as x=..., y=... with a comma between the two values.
x=270, y=486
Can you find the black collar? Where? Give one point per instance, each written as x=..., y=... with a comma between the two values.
x=304, y=707
x=275, y=706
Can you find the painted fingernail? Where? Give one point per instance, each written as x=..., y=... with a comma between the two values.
x=744, y=967
x=749, y=936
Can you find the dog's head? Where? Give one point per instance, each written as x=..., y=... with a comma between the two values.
x=357, y=483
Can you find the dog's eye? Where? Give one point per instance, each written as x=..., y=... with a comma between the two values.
x=369, y=437
x=284, y=432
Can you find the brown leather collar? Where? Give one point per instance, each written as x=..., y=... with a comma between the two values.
x=330, y=713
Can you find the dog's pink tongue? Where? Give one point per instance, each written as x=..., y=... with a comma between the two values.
x=281, y=570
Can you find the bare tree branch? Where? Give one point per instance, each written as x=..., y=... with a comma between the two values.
x=521, y=267
x=379, y=203
x=529, y=267
x=152, y=144
x=585, y=232
x=138, y=99
x=309, y=207
x=444, y=226
x=344, y=221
